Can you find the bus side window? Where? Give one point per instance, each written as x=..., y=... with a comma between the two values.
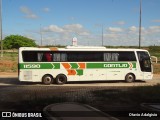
x=40, y=56
x=48, y=57
x=63, y=57
x=29, y=56
x=107, y=56
x=115, y=56
x=111, y=56
x=56, y=57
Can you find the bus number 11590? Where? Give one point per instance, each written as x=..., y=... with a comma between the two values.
x=32, y=66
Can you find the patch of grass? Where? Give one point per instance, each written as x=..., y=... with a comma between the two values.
x=10, y=56
x=156, y=68
x=155, y=51
x=14, y=68
x=8, y=63
x=3, y=69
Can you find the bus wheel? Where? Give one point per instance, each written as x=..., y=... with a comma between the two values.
x=61, y=79
x=130, y=78
x=47, y=79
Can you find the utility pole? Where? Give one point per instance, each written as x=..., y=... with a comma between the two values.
x=101, y=26
x=1, y=28
x=140, y=24
x=41, y=35
x=102, y=34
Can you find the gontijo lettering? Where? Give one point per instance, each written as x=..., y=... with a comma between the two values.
x=116, y=65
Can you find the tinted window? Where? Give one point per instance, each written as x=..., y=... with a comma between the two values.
x=127, y=56
x=119, y=56
x=43, y=56
x=59, y=56
x=85, y=56
x=111, y=56
x=76, y=56
x=144, y=61
x=29, y=56
x=143, y=55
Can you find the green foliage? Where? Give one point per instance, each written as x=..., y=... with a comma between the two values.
x=155, y=51
x=154, y=48
x=16, y=41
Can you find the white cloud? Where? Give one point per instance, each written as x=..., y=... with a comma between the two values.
x=121, y=23
x=113, y=36
x=46, y=9
x=72, y=18
x=77, y=29
x=73, y=27
x=30, y=36
x=133, y=29
x=156, y=21
x=53, y=28
x=115, y=29
x=63, y=35
x=28, y=13
x=154, y=29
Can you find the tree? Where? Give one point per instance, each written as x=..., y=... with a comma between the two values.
x=16, y=41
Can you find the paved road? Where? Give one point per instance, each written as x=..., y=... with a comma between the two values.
x=14, y=93
x=13, y=80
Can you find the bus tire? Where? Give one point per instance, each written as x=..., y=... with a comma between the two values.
x=47, y=79
x=130, y=78
x=61, y=79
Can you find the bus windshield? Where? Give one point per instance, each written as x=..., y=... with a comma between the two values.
x=145, y=61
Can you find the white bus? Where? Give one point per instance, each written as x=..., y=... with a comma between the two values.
x=82, y=63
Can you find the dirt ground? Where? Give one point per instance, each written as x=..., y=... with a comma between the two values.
x=8, y=74
x=8, y=66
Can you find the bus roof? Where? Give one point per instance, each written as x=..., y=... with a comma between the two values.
x=79, y=48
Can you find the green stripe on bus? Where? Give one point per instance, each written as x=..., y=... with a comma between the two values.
x=134, y=65
x=74, y=65
x=111, y=65
x=40, y=66
x=79, y=72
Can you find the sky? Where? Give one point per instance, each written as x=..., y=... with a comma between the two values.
x=57, y=22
